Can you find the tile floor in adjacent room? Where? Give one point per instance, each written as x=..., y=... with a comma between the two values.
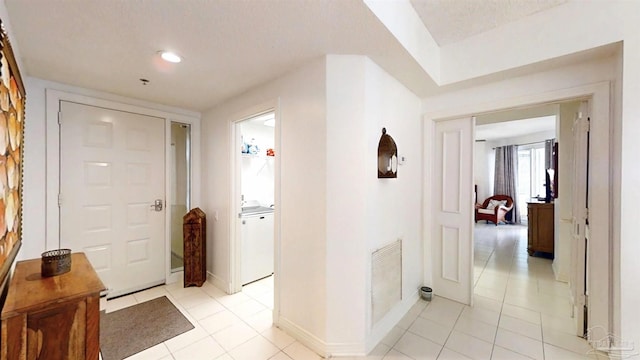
x=519, y=312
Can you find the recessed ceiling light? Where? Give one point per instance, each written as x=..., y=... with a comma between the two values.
x=170, y=57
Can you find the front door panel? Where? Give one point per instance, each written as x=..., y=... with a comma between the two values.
x=111, y=173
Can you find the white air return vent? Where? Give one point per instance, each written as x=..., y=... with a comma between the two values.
x=386, y=279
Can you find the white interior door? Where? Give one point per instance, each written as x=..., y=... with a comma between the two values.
x=579, y=211
x=452, y=239
x=112, y=171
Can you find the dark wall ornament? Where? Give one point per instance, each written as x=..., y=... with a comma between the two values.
x=387, y=156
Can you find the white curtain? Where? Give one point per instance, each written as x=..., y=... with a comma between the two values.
x=506, y=178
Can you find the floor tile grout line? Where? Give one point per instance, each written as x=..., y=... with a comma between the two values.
x=450, y=332
x=240, y=320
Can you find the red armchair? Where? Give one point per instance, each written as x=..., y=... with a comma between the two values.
x=494, y=209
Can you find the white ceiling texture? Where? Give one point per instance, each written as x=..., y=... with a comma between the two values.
x=228, y=46
x=449, y=21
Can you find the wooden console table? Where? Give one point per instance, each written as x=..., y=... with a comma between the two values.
x=541, y=229
x=52, y=317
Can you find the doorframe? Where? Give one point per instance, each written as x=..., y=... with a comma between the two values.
x=194, y=178
x=600, y=216
x=235, y=282
x=53, y=98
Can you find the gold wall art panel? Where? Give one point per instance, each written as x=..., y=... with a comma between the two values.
x=12, y=107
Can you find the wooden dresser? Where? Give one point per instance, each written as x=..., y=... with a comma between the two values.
x=541, y=229
x=52, y=317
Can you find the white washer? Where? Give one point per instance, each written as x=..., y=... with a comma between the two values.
x=257, y=246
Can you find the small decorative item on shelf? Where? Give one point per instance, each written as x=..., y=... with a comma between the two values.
x=270, y=152
x=387, y=156
x=253, y=147
x=250, y=148
x=55, y=262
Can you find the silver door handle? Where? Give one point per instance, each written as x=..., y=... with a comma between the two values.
x=157, y=205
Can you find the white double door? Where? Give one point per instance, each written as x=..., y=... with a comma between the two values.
x=112, y=171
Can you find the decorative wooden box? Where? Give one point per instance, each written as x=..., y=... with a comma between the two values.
x=195, y=255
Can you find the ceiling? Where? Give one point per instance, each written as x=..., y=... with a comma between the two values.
x=511, y=129
x=228, y=46
x=450, y=21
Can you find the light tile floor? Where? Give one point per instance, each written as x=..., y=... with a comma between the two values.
x=519, y=312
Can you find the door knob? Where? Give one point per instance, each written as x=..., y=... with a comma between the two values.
x=157, y=205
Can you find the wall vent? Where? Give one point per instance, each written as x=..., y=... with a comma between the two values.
x=386, y=279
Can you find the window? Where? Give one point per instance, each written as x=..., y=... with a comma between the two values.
x=531, y=175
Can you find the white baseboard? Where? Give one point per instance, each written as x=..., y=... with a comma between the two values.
x=219, y=283
x=327, y=350
x=303, y=336
x=380, y=329
x=558, y=275
x=320, y=347
x=350, y=350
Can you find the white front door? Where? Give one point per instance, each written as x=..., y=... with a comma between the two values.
x=112, y=171
x=452, y=236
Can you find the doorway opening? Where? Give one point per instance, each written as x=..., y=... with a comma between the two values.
x=528, y=132
x=254, y=235
x=452, y=160
x=532, y=252
x=531, y=175
x=180, y=194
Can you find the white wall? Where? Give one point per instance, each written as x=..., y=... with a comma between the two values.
x=517, y=114
x=35, y=189
x=616, y=164
x=628, y=176
x=483, y=166
x=536, y=137
x=334, y=211
x=394, y=207
x=348, y=150
x=365, y=213
x=301, y=206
